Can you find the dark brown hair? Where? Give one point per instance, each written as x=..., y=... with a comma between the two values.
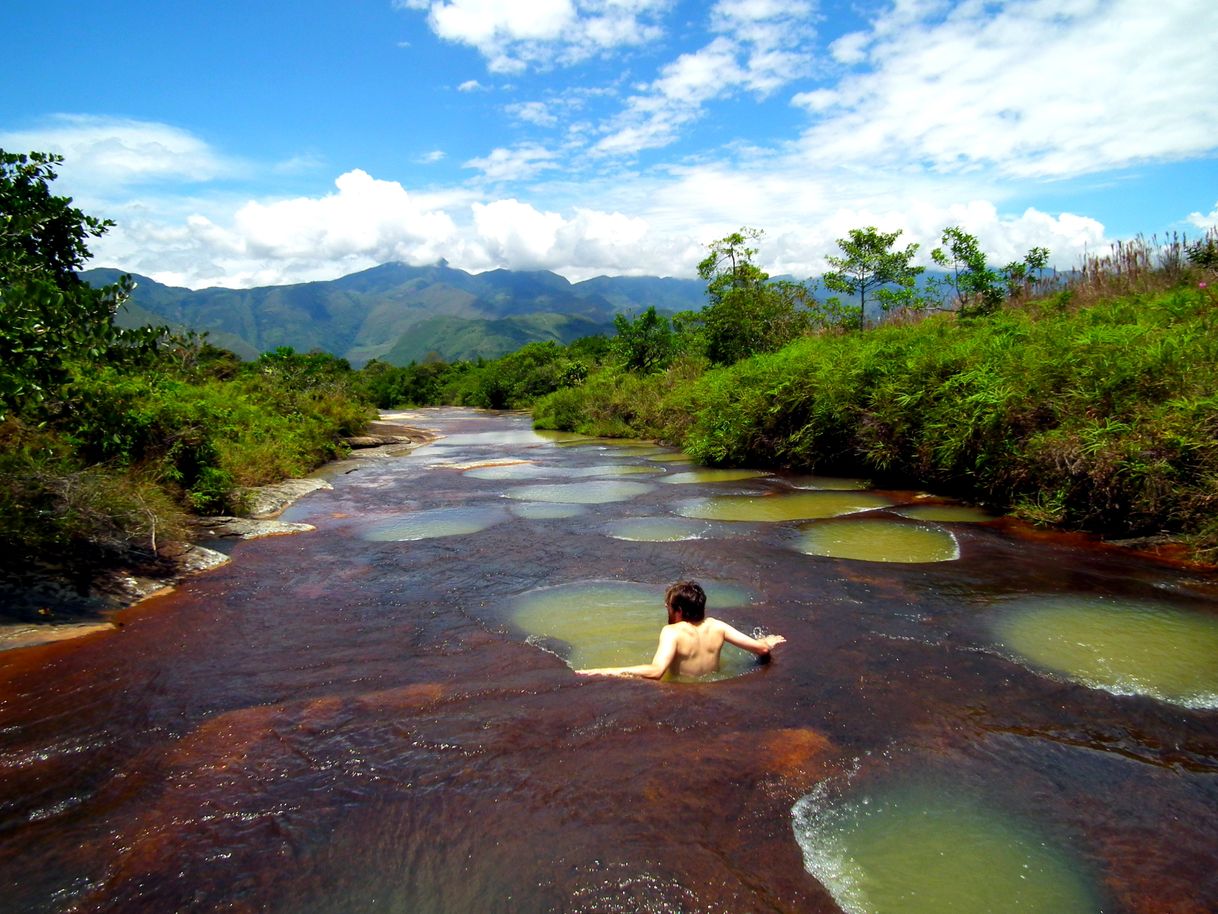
x=687, y=597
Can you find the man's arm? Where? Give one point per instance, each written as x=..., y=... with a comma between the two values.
x=665, y=652
x=760, y=647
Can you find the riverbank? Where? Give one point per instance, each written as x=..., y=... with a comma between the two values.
x=67, y=612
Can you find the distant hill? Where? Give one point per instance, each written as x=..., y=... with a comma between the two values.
x=399, y=313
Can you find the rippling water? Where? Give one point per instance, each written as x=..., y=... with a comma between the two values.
x=356, y=719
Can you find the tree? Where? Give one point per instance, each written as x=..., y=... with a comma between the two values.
x=746, y=313
x=871, y=264
x=47, y=315
x=972, y=286
x=645, y=344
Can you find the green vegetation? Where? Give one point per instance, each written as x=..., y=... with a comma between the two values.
x=109, y=437
x=1089, y=405
x=1086, y=401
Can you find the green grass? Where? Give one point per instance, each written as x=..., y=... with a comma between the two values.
x=1101, y=418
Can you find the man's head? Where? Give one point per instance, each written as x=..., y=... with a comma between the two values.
x=686, y=598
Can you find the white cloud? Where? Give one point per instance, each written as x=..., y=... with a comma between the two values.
x=106, y=152
x=1202, y=221
x=470, y=85
x=513, y=35
x=759, y=46
x=432, y=157
x=538, y=113
x=1033, y=89
x=515, y=164
x=364, y=222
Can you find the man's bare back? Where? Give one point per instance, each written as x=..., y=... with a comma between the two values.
x=690, y=648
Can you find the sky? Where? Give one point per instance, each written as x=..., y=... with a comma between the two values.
x=244, y=144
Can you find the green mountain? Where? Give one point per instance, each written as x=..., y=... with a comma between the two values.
x=399, y=313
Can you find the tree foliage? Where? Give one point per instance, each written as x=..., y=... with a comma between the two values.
x=47, y=315
x=971, y=287
x=870, y=264
x=747, y=312
x=644, y=344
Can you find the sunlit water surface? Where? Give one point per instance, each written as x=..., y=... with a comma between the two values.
x=381, y=714
x=1121, y=646
x=879, y=540
x=934, y=849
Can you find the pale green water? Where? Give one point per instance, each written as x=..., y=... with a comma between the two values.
x=510, y=471
x=945, y=513
x=926, y=850
x=617, y=443
x=516, y=471
x=437, y=522
x=1124, y=647
x=876, y=539
x=669, y=457
x=596, y=492
x=615, y=623
x=533, y=510
x=833, y=483
x=657, y=529
x=794, y=506
x=710, y=475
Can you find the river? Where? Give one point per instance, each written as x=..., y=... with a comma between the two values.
x=380, y=715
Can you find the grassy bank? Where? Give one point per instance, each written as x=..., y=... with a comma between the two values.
x=107, y=475
x=1093, y=409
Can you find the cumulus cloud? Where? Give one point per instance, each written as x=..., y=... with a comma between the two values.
x=1202, y=221
x=108, y=152
x=364, y=222
x=513, y=36
x=1032, y=89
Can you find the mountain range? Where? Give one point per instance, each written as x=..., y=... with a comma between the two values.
x=399, y=313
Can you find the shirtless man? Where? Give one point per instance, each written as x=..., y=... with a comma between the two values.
x=690, y=643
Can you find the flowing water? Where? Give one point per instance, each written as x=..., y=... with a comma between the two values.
x=381, y=714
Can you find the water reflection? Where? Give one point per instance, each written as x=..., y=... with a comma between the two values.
x=437, y=522
x=879, y=540
x=783, y=507
x=1120, y=646
x=598, y=492
x=541, y=471
x=945, y=513
x=833, y=483
x=657, y=529
x=546, y=510
x=712, y=475
x=923, y=849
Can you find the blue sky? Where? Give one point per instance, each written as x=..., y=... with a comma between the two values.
x=242, y=144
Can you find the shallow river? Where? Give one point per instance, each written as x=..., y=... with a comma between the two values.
x=380, y=715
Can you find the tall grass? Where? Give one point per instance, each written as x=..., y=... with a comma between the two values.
x=1088, y=409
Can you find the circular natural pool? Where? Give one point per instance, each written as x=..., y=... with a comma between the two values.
x=782, y=507
x=595, y=492
x=922, y=849
x=615, y=623
x=712, y=475
x=878, y=539
x=542, y=510
x=437, y=522
x=1121, y=646
x=831, y=483
x=945, y=513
